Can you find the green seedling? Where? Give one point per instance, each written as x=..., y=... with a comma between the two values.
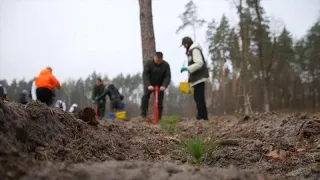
x=195, y=147
x=169, y=124
x=199, y=148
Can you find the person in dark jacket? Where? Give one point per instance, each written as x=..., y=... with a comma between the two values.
x=198, y=75
x=114, y=96
x=98, y=89
x=3, y=92
x=23, y=97
x=156, y=72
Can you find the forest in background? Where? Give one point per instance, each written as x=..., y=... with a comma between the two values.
x=268, y=70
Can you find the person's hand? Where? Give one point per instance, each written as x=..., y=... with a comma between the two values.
x=162, y=88
x=183, y=69
x=96, y=98
x=150, y=88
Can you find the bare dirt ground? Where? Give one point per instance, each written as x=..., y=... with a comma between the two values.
x=37, y=142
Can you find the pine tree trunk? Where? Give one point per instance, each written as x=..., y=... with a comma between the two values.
x=147, y=35
x=245, y=50
x=262, y=59
x=146, y=28
x=223, y=84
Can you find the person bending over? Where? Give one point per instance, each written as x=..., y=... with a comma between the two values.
x=114, y=96
x=46, y=83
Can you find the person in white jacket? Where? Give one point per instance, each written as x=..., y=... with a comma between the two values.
x=62, y=105
x=198, y=75
x=73, y=108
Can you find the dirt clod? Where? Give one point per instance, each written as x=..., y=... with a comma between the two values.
x=88, y=115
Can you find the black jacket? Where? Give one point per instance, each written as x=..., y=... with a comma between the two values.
x=156, y=74
x=23, y=98
x=112, y=92
x=97, y=91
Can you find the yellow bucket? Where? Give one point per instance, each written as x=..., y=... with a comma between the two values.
x=185, y=88
x=121, y=115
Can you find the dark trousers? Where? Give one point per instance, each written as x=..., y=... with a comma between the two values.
x=45, y=95
x=115, y=105
x=145, y=102
x=101, y=109
x=199, y=91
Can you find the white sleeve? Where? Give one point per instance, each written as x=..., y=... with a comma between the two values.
x=197, y=59
x=64, y=106
x=33, y=91
x=5, y=91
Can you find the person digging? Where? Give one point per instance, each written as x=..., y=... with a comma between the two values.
x=98, y=90
x=114, y=96
x=156, y=72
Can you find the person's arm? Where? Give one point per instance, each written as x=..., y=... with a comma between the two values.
x=33, y=91
x=167, y=78
x=55, y=82
x=146, y=74
x=105, y=92
x=197, y=59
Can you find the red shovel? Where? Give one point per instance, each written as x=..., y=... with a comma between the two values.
x=156, y=109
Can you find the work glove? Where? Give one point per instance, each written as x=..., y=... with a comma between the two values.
x=183, y=69
x=101, y=101
x=93, y=101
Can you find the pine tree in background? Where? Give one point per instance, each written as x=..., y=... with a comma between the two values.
x=190, y=18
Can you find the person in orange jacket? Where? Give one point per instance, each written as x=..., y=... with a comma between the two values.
x=46, y=82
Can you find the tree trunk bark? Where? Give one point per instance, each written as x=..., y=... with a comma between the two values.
x=146, y=28
x=223, y=84
x=261, y=58
x=244, y=57
x=147, y=35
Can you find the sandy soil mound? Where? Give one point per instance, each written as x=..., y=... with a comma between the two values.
x=139, y=171
x=38, y=142
x=35, y=132
x=280, y=144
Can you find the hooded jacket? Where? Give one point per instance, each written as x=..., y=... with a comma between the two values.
x=47, y=80
x=23, y=97
x=197, y=66
x=112, y=92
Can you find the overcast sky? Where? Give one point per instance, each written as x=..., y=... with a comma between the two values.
x=76, y=37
